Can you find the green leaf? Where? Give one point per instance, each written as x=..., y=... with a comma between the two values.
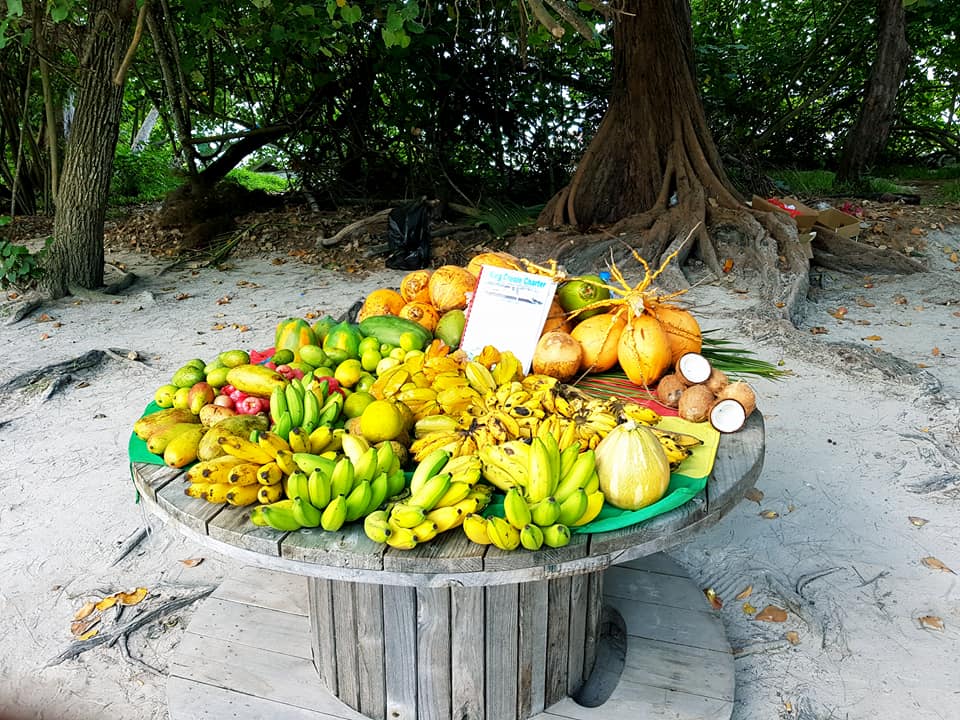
x=306, y=11
x=351, y=14
x=14, y=8
x=60, y=10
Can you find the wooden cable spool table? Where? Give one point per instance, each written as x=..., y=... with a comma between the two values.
x=451, y=629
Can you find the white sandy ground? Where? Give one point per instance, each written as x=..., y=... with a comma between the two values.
x=853, y=449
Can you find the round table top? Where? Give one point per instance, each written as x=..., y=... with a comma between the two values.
x=450, y=559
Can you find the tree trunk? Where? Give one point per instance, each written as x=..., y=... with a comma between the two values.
x=75, y=257
x=653, y=140
x=869, y=136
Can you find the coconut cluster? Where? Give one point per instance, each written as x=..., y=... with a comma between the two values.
x=701, y=392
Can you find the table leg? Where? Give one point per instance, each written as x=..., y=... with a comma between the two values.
x=503, y=652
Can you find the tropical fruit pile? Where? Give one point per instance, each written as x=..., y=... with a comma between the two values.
x=384, y=422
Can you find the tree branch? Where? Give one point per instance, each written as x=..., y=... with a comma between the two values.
x=546, y=19
x=575, y=21
x=121, y=75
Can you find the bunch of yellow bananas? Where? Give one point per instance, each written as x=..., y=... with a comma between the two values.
x=443, y=491
x=548, y=491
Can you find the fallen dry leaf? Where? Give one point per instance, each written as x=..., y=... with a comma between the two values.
x=749, y=609
x=44, y=336
x=917, y=521
x=769, y=514
x=818, y=330
x=80, y=627
x=771, y=613
x=919, y=308
x=44, y=318
x=225, y=300
x=916, y=231
x=311, y=315
x=218, y=326
x=132, y=598
x=899, y=300
x=728, y=265
x=192, y=562
x=754, y=495
x=931, y=622
x=954, y=258
x=84, y=611
x=922, y=365
x=935, y=352
x=793, y=637
x=863, y=302
x=87, y=636
x=840, y=313
x=779, y=304
x=872, y=337
x=107, y=603
x=713, y=599
x=935, y=564
x=861, y=322
x=745, y=593
x=181, y=296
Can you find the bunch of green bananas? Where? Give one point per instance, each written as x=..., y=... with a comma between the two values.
x=298, y=407
x=548, y=491
x=443, y=491
x=327, y=491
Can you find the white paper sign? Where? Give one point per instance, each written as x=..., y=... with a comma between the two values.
x=507, y=310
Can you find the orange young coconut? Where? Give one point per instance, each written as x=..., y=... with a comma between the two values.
x=599, y=336
x=644, y=350
x=449, y=285
x=421, y=312
x=497, y=259
x=556, y=319
x=381, y=302
x=681, y=327
x=414, y=288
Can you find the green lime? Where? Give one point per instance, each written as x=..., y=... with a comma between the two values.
x=369, y=360
x=313, y=355
x=197, y=363
x=282, y=357
x=211, y=366
x=365, y=382
x=218, y=376
x=356, y=403
x=348, y=372
x=323, y=371
x=368, y=343
x=385, y=349
x=164, y=395
x=411, y=341
x=398, y=354
x=188, y=376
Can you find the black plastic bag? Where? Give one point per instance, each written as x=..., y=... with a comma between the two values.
x=408, y=236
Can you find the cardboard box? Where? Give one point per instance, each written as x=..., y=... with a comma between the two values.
x=840, y=222
x=804, y=216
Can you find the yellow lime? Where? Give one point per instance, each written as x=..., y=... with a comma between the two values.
x=368, y=343
x=369, y=359
x=356, y=403
x=398, y=353
x=348, y=372
x=164, y=395
x=381, y=420
x=365, y=382
x=410, y=341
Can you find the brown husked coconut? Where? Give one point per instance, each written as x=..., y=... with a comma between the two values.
x=669, y=390
x=717, y=381
x=695, y=403
x=742, y=393
x=693, y=368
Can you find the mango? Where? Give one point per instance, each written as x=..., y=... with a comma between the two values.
x=149, y=424
x=202, y=393
x=234, y=358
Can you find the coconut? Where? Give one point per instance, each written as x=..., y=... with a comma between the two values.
x=599, y=336
x=717, y=381
x=669, y=390
x=727, y=415
x=692, y=368
x=742, y=393
x=558, y=355
x=694, y=404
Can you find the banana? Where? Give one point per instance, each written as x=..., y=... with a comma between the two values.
x=244, y=449
x=424, y=447
x=294, y=405
x=475, y=528
x=682, y=439
x=639, y=414
x=376, y=527
x=285, y=462
x=354, y=446
x=568, y=456
x=183, y=449
x=305, y=513
x=540, y=481
x=280, y=517
x=320, y=439
x=573, y=507
x=456, y=491
x=342, y=477
x=318, y=489
x=468, y=475
x=334, y=514
x=308, y=462
x=157, y=442
x=518, y=451
x=545, y=512
x=197, y=489
x=366, y=466
x=427, y=530
x=673, y=450
x=330, y=410
x=245, y=474
x=243, y=495
x=556, y=535
x=311, y=412
x=378, y=493
x=269, y=474
x=299, y=440
x=594, y=506
x=396, y=482
x=297, y=486
x=462, y=464
x=502, y=534
x=499, y=477
x=428, y=468
x=577, y=476
x=278, y=404
x=358, y=500
x=531, y=537
x=217, y=493
x=268, y=494
x=256, y=517
x=385, y=458
x=568, y=436
x=402, y=539
x=430, y=492
x=516, y=510
x=283, y=425
x=272, y=443
x=215, y=470
x=593, y=484
x=446, y=518
x=553, y=453
x=405, y=515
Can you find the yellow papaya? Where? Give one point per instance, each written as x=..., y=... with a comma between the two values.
x=255, y=379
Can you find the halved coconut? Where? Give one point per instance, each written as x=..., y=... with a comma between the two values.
x=727, y=415
x=693, y=368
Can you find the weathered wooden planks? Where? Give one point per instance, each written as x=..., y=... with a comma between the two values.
x=322, y=639
x=467, y=656
x=400, y=647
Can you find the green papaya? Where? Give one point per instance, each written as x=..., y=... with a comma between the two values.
x=292, y=334
x=322, y=327
x=388, y=329
x=342, y=342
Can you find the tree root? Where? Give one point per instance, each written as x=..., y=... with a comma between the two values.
x=50, y=379
x=120, y=632
x=374, y=223
x=844, y=255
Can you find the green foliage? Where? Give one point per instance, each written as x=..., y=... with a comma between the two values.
x=143, y=176
x=505, y=217
x=950, y=192
x=19, y=268
x=812, y=183
x=258, y=180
